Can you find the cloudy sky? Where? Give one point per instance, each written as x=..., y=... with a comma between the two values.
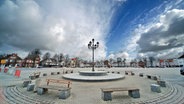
x=124, y=28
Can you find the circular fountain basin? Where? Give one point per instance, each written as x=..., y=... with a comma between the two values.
x=93, y=73
x=93, y=76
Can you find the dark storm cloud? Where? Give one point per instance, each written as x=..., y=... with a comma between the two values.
x=176, y=27
x=21, y=25
x=167, y=34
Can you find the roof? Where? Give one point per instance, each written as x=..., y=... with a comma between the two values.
x=50, y=59
x=8, y=56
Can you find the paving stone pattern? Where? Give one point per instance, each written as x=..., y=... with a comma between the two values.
x=12, y=92
x=14, y=96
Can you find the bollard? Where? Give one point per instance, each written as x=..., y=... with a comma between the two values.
x=132, y=73
x=141, y=74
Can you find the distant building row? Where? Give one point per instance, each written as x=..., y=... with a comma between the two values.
x=14, y=60
x=35, y=61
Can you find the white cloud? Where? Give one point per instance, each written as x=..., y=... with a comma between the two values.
x=161, y=38
x=158, y=33
x=60, y=26
x=123, y=55
x=168, y=34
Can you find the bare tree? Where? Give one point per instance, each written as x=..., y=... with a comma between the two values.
x=34, y=54
x=145, y=62
x=124, y=62
x=67, y=60
x=111, y=61
x=61, y=57
x=151, y=59
x=56, y=57
x=119, y=60
x=46, y=56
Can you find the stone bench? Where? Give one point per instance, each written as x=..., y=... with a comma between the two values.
x=154, y=77
x=53, y=73
x=129, y=72
x=161, y=83
x=64, y=91
x=141, y=74
x=67, y=71
x=35, y=75
x=155, y=88
x=132, y=92
x=148, y=76
x=44, y=74
x=26, y=82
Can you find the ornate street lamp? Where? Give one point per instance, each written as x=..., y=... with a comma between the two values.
x=93, y=46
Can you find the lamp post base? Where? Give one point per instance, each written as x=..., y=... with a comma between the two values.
x=93, y=69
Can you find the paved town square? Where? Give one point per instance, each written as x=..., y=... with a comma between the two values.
x=91, y=51
x=89, y=92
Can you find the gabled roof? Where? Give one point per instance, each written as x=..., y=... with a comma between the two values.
x=50, y=59
x=9, y=56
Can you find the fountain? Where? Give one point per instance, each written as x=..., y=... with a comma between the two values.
x=93, y=75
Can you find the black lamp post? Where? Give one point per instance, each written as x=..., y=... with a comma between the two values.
x=93, y=46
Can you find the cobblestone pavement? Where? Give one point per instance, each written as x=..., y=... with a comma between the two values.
x=12, y=91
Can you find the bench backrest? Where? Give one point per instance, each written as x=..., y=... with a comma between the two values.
x=58, y=81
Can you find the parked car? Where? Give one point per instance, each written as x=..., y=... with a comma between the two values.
x=182, y=71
